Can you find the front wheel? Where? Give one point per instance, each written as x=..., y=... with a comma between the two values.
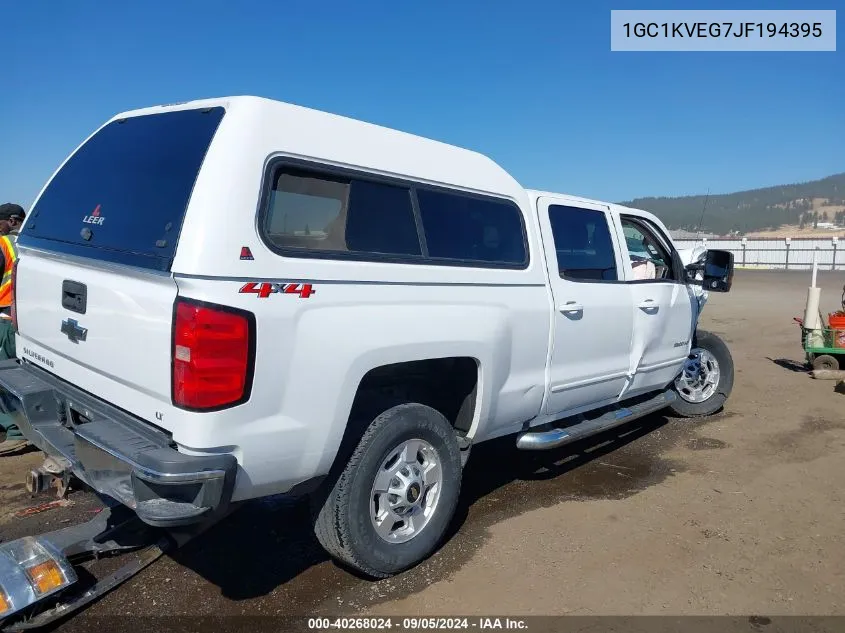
x=707, y=378
x=396, y=496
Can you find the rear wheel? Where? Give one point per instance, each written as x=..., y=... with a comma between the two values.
x=392, y=503
x=707, y=379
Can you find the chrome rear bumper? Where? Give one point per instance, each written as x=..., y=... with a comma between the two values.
x=114, y=452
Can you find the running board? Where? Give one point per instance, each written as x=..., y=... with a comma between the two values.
x=535, y=440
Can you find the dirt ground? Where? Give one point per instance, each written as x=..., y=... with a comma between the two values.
x=741, y=513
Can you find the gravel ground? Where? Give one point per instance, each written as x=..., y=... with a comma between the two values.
x=736, y=514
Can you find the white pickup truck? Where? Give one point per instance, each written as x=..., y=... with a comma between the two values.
x=233, y=298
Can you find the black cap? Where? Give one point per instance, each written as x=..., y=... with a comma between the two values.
x=10, y=210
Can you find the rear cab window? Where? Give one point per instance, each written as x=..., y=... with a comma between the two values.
x=122, y=196
x=583, y=244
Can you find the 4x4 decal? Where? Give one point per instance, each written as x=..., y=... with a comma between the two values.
x=265, y=289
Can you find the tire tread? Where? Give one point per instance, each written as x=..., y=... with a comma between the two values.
x=330, y=526
x=330, y=530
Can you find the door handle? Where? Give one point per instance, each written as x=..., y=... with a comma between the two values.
x=571, y=306
x=648, y=304
x=74, y=296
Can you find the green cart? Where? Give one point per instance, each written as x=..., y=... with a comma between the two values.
x=825, y=348
x=820, y=348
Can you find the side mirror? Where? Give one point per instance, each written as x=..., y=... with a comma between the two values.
x=714, y=271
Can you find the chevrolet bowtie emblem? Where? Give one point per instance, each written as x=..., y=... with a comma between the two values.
x=73, y=331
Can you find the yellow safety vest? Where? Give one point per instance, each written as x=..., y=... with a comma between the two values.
x=10, y=256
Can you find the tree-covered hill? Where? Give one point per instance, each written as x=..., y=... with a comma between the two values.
x=758, y=209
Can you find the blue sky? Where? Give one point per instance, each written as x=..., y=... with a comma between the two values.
x=531, y=83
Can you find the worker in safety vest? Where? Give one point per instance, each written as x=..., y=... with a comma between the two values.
x=11, y=218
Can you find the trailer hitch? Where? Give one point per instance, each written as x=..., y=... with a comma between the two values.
x=55, y=472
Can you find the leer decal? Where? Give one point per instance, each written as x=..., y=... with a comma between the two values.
x=95, y=217
x=246, y=253
x=262, y=290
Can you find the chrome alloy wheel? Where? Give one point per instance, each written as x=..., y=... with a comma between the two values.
x=406, y=491
x=700, y=377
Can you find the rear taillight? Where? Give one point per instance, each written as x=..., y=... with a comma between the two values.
x=213, y=355
x=13, y=309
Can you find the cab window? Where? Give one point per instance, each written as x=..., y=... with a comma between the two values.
x=650, y=258
x=583, y=244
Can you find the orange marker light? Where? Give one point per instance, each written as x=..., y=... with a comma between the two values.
x=31, y=569
x=45, y=577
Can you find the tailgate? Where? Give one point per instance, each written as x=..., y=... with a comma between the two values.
x=114, y=325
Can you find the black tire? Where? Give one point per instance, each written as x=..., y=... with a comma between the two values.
x=825, y=361
x=343, y=524
x=716, y=346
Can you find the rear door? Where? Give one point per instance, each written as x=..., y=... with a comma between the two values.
x=593, y=321
x=94, y=291
x=663, y=304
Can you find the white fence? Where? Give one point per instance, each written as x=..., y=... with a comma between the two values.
x=785, y=253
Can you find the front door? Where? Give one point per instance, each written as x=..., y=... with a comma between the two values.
x=593, y=320
x=664, y=308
